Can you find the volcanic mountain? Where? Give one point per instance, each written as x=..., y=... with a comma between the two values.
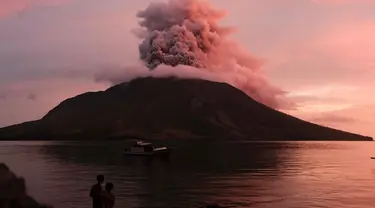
x=155, y=108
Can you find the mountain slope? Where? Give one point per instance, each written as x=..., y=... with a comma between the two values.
x=170, y=107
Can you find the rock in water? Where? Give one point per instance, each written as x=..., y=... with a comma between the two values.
x=13, y=191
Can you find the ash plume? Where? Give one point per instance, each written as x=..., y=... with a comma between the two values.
x=179, y=32
x=119, y=75
x=186, y=32
x=182, y=38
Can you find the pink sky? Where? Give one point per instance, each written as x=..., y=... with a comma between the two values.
x=321, y=51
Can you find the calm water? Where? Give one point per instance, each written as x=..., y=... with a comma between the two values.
x=267, y=174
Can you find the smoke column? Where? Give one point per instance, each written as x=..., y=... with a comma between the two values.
x=186, y=32
x=180, y=32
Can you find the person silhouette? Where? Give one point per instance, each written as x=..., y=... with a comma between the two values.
x=96, y=192
x=108, y=196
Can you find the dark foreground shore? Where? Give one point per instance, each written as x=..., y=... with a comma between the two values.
x=13, y=191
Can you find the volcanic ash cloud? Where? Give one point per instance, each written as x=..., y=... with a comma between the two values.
x=186, y=32
x=182, y=38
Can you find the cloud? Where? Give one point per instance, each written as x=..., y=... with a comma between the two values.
x=324, y=91
x=32, y=96
x=350, y=43
x=325, y=98
x=343, y=2
x=9, y=7
x=39, y=96
x=333, y=118
x=301, y=99
x=119, y=75
x=3, y=96
x=9, y=93
x=355, y=118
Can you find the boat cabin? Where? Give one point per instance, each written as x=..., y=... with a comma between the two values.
x=146, y=149
x=140, y=147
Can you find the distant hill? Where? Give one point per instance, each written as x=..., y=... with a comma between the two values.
x=155, y=108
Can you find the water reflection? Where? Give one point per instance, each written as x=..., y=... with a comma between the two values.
x=256, y=175
x=196, y=172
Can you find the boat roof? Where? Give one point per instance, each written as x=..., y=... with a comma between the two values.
x=141, y=143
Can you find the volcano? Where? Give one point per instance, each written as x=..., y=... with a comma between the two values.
x=173, y=108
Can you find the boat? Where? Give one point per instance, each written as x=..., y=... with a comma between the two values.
x=141, y=148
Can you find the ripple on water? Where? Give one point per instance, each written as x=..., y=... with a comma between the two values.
x=250, y=174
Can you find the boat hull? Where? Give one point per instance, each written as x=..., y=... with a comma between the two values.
x=166, y=152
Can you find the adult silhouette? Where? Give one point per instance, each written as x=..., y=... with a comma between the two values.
x=96, y=192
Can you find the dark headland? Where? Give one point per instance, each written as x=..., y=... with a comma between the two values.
x=13, y=192
x=155, y=108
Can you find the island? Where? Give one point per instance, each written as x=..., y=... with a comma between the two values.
x=170, y=108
